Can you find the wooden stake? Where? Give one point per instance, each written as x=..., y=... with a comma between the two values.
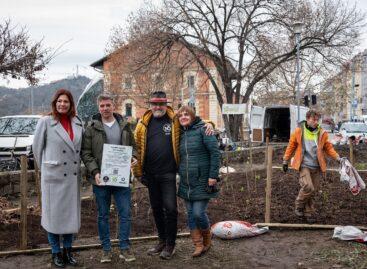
x=303, y=226
x=252, y=173
x=23, y=202
x=37, y=179
x=266, y=148
x=268, y=183
x=351, y=154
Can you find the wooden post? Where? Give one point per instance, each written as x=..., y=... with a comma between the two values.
x=23, y=202
x=351, y=154
x=268, y=184
x=37, y=180
x=266, y=148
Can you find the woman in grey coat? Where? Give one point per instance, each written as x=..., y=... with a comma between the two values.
x=56, y=148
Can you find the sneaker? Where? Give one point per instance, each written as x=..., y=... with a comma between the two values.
x=157, y=249
x=167, y=252
x=127, y=255
x=106, y=257
x=299, y=212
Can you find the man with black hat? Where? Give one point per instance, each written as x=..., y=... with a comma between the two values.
x=157, y=140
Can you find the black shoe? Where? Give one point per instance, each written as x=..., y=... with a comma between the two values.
x=68, y=257
x=157, y=249
x=57, y=260
x=167, y=252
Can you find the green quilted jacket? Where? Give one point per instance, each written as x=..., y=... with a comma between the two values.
x=199, y=161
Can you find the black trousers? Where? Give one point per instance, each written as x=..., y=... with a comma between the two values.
x=163, y=200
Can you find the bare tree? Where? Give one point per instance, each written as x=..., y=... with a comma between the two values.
x=19, y=57
x=280, y=87
x=254, y=37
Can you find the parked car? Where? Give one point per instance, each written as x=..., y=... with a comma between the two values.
x=356, y=131
x=16, y=139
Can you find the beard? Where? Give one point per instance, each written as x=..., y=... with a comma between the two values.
x=158, y=113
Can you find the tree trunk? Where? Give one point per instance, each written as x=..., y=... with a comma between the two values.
x=232, y=124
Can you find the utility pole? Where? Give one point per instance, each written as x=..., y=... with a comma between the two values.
x=192, y=91
x=352, y=104
x=32, y=105
x=297, y=29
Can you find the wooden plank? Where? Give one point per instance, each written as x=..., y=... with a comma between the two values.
x=114, y=242
x=23, y=202
x=303, y=225
x=268, y=183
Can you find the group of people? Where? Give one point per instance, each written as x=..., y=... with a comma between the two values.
x=164, y=143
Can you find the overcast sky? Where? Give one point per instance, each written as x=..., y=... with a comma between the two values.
x=81, y=27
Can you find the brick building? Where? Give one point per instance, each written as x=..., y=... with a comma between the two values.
x=180, y=82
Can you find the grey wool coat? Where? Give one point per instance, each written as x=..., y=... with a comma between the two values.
x=58, y=158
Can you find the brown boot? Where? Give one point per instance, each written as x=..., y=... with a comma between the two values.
x=198, y=242
x=207, y=239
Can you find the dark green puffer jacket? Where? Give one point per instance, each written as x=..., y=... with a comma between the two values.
x=199, y=161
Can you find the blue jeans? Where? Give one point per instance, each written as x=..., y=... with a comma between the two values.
x=122, y=196
x=54, y=240
x=196, y=213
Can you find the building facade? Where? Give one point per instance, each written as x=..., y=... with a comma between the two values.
x=182, y=83
x=345, y=95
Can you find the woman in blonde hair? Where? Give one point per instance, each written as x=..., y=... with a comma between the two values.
x=198, y=169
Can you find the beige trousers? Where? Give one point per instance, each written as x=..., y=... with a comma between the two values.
x=309, y=179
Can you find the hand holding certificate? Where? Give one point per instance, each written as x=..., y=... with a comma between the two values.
x=116, y=163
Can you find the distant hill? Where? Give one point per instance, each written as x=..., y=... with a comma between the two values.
x=18, y=101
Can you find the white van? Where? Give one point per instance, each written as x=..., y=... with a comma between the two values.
x=16, y=139
x=277, y=121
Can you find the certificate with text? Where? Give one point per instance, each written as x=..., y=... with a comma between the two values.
x=116, y=164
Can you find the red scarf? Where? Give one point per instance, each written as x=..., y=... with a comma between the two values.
x=66, y=123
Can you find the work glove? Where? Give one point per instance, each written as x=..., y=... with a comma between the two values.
x=285, y=166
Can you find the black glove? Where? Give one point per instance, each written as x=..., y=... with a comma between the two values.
x=212, y=189
x=285, y=167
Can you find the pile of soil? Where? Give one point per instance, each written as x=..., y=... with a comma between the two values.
x=242, y=198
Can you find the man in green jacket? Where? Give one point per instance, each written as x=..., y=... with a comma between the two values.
x=108, y=127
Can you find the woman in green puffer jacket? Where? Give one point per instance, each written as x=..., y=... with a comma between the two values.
x=198, y=169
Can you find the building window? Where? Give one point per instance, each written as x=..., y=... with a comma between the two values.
x=127, y=83
x=128, y=110
x=191, y=82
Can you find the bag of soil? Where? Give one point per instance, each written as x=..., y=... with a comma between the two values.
x=236, y=229
x=350, y=233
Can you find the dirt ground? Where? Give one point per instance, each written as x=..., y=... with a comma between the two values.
x=242, y=198
x=276, y=249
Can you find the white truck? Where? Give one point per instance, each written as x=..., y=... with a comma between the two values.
x=277, y=122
